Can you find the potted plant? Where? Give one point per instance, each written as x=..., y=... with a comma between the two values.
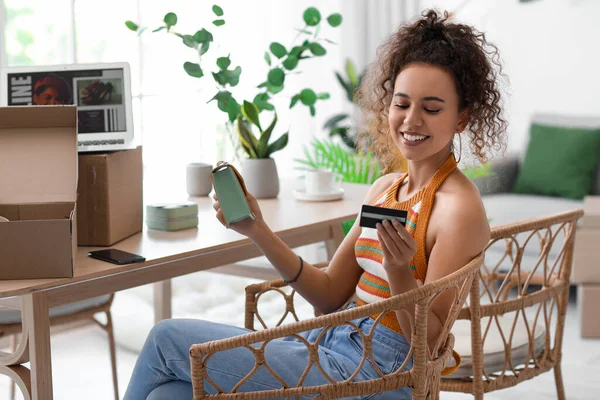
x=259, y=169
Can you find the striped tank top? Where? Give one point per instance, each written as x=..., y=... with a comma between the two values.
x=373, y=284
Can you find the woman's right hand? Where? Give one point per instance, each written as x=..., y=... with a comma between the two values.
x=247, y=227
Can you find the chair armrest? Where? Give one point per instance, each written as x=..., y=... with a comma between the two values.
x=502, y=178
x=427, y=363
x=591, y=209
x=254, y=293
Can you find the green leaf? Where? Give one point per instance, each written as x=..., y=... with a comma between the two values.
x=159, y=29
x=203, y=36
x=312, y=16
x=262, y=102
x=250, y=112
x=351, y=73
x=217, y=10
x=290, y=62
x=313, y=111
x=294, y=101
x=223, y=62
x=263, y=143
x=223, y=97
x=247, y=139
x=220, y=78
x=346, y=85
x=170, y=19
x=323, y=96
x=339, y=130
x=193, y=69
x=268, y=58
x=335, y=20
x=304, y=31
x=218, y=22
x=274, y=89
x=278, y=50
x=276, y=77
x=233, y=109
x=189, y=41
x=330, y=41
x=296, y=51
x=333, y=121
x=132, y=25
x=277, y=145
x=308, y=97
x=233, y=76
x=269, y=130
x=204, y=48
x=317, y=49
x=263, y=85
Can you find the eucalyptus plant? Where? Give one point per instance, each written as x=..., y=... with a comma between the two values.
x=282, y=62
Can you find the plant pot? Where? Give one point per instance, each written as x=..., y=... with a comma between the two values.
x=198, y=179
x=261, y=177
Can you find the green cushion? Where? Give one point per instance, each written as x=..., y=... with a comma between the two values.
x=559, y=162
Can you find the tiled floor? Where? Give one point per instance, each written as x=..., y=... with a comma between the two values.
x=82, y=371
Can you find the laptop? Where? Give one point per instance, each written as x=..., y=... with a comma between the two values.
x=102, y=93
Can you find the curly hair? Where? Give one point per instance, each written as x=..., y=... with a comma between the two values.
x=459, y=49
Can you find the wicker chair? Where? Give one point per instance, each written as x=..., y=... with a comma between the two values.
x=515, y=317
x=423, y=377
x=10, y=325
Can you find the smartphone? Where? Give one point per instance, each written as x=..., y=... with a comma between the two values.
x=371, y=215
x=115, y=256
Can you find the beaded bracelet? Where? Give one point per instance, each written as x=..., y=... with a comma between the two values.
x=298, y=274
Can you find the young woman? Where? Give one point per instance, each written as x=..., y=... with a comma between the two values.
x=433, y=82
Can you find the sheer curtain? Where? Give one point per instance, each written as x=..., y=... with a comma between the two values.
x=368, y=23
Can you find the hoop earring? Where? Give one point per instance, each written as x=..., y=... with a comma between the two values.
x=460, y=148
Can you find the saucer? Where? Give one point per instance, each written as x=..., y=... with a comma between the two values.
x=333, y=194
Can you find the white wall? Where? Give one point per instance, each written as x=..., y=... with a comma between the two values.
x=550, y=50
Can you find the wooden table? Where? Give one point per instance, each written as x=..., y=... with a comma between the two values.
x=168, y=255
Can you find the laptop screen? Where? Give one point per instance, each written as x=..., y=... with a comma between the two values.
x=101, y=92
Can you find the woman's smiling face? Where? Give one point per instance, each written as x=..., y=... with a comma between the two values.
x=424, y=114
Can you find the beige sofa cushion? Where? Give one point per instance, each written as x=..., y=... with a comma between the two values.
x=494, y=347
x=505, y=208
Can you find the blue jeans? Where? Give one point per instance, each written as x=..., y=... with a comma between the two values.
x=162, y=370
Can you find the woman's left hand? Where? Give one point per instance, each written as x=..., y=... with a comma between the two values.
x=398, y=245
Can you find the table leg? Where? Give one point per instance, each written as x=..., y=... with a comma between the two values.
x=36, y=322
x=162, y=300
x=334, y=241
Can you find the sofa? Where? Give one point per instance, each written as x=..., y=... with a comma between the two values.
x=503, y=206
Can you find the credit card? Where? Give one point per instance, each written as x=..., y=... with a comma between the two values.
x=370, y=215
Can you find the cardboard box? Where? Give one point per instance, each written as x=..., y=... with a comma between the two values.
x=38, y=189
x=586, y=257
x=110, y=202
x=588, y=298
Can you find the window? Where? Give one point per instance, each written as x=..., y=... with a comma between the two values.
x=172, y=119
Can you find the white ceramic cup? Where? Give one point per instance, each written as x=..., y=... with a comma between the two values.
x=321, y=181
x=198, y=179
x=2, y=219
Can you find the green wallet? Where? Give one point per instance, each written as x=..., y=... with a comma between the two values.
x=172, y=217
x=231, y=191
